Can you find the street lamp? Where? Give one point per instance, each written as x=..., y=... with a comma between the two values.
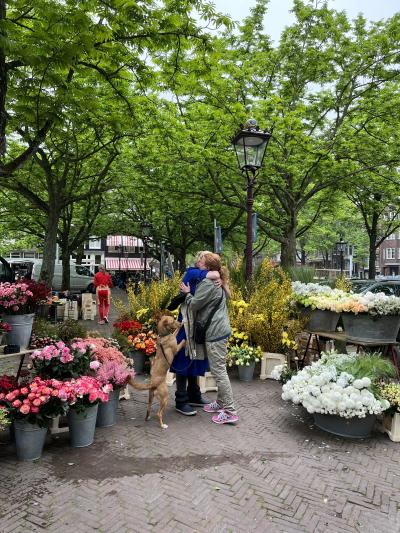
x=146, y=227
x=341, y=248
x=250, y=145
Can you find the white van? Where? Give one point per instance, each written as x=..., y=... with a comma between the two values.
x=80, y=276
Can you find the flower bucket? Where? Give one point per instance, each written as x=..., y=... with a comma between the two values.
x=21, y=329
x=371, y=327
x=319, y=320
x=108, y=411
x=1, y=339
x=29, y=440
x=82, y=426
x=391, y=425
x=139, y=359
x=246, y=372
x=352, y=428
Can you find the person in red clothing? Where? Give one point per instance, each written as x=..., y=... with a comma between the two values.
x=102, y=282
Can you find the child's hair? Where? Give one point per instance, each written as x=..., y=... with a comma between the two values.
x=213, y=262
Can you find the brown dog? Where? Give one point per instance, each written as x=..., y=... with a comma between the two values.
x=167, y=347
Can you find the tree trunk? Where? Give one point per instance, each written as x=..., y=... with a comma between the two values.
x=372, y=256
x=3, y=84
x=373, y=237
x=288, y=249
x=50, y=245
x=66, y=278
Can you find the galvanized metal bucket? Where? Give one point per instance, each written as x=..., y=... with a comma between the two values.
x=29, y=440
x=246, y=372
x=82, y=426
x=21, y=329
x=108, y=411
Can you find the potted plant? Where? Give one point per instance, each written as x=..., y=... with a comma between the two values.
x=4, y=418
x=31, y=407
x=316, y=304
x=144, y=345
x=111, y=373
x=391, y=421
x=372, y=316
x=17, y=306
x=61, y=361
x=245, y=357
x=340, y=391
x=4, y=328
x=83, y=396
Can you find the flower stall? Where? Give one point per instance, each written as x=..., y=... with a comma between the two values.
x=340, y=391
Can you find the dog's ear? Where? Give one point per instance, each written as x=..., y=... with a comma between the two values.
x=157, y=316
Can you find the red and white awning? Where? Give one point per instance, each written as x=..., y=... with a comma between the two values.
x=115, y=263
x=123, y=240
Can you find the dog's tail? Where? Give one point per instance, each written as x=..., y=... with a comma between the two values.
x=146, y=386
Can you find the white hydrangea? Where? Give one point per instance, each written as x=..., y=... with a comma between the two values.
x=277, y=371
x=321, y=389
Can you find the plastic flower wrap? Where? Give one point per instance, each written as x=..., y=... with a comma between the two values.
x=324, y=388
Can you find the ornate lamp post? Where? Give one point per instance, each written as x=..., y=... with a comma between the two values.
x=146, y=227
x=341, y=248
x=250, y=145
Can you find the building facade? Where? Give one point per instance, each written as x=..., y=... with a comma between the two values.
x=389, y=255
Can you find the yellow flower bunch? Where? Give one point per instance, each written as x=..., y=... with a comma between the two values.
x=287, y=342
x=150, y=299
x=391, y=393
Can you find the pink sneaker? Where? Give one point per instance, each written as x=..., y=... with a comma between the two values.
x=212, y=407
x=223, y=417
x=101, y=322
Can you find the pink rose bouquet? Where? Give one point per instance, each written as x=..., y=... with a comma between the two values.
x=61, y=361
x=104, y=350
x=37, y=402
x=117, y=374
x=85, y=392
x=16, y=299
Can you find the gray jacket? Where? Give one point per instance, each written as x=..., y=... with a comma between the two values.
x=203, y=302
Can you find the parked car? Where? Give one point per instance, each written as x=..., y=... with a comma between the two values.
x=81, y=277
x=6, y=273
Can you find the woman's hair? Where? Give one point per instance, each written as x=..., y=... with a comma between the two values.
x=200, y=255
x=213, y=262
x=102, y=268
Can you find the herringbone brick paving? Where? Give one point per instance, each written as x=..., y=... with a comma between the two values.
x=273, y=472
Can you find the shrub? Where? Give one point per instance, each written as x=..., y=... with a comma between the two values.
x=44, y=328
x=266, y=313
x=69, y=330
x=150, y=299
x=305, y=274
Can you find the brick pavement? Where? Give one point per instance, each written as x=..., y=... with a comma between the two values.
x=272, y=472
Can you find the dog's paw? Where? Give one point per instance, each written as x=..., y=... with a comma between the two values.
x=147, y=418
x=164, y=426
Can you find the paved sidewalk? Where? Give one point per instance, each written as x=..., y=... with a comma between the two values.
x=271, y=472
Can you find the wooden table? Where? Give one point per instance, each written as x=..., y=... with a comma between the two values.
x=21, y=355
x=354, y=341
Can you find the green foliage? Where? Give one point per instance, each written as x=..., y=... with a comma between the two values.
x=43, y=328
x=69, y=330
x=372, y=366
x=305, y=274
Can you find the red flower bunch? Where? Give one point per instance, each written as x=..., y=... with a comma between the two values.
x=40, y=291
x=4, y=327
x=37, y=402
x=145, y=342
x=128, y=327
x=7, y=383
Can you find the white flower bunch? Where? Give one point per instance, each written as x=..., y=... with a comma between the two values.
x=320, y=388
x=316, y=296
x=277, y=371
